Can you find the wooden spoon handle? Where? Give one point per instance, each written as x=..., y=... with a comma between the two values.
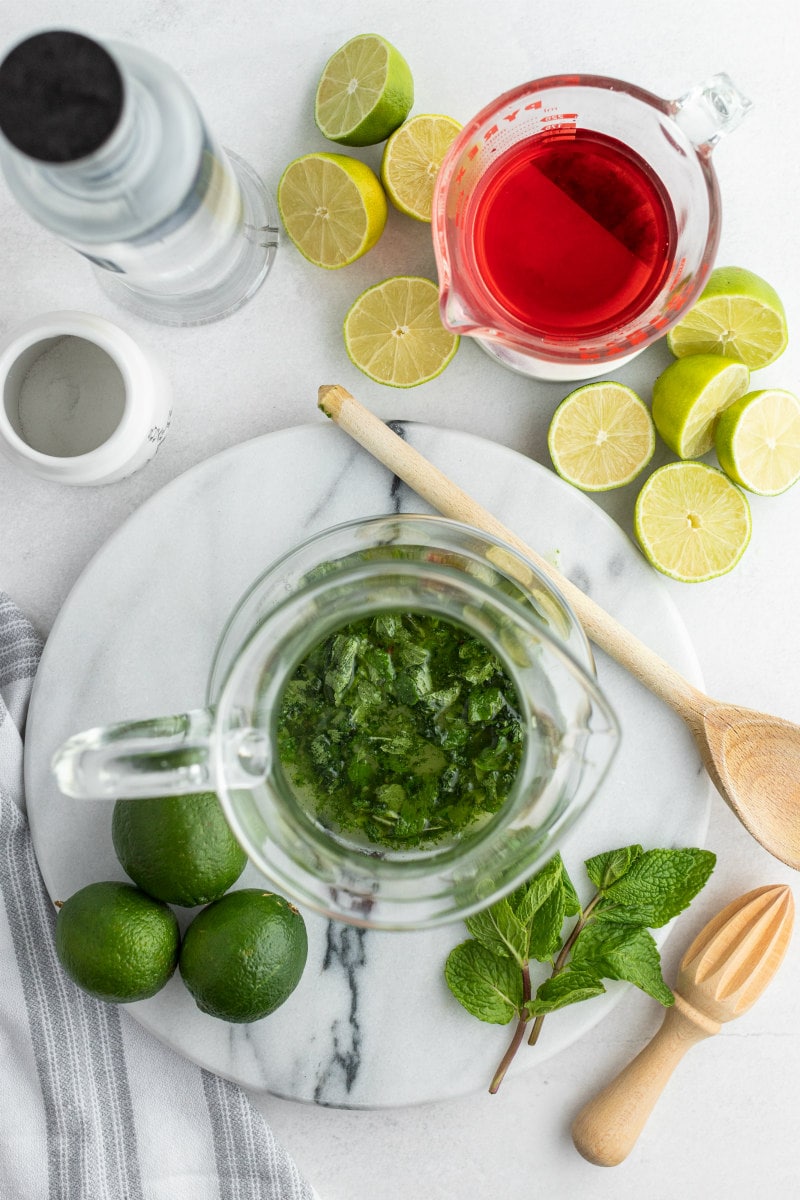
x=606, y=1129
x=447, y=498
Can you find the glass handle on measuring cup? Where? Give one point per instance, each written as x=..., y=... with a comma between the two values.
x=710, y=109
x=164, y=756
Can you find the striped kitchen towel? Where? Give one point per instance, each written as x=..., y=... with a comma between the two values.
x=91, y=1106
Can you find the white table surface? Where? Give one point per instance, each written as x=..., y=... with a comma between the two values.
x=726, y=1126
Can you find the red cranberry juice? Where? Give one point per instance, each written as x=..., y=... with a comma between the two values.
x=572, y=236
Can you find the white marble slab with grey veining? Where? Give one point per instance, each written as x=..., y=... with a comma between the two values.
x=371, y=1023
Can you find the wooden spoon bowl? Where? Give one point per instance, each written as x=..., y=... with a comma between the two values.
x=754, y=760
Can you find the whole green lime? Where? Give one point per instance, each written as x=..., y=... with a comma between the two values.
x=117, y=943
x=243, y=955
x=177, y=848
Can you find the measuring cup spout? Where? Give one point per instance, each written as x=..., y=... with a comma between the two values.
x=711, y=109
x=455, y=314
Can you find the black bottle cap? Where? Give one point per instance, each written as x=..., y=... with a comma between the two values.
x=60, y=96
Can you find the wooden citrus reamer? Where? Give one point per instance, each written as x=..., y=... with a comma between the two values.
x=721, y=975
x=752, y=758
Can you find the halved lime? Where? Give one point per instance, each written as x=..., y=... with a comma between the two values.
x=601, y=436
x=739, y=315
x=758, y=441
x=394, y=334
x=333, y=207
x=364, y=93
x=411, y=159
x=692, y=523
x=689, y=396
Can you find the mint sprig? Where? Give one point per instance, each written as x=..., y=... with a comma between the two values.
x=637, y=890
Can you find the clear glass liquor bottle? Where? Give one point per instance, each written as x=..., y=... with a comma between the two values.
x=105, y=146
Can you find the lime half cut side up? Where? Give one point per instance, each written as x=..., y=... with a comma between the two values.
x=601, y=436
x=333, y=207
x=394, y=334
x=692, y=523
x=411, y=160
x=758, y=441
x=738, y=315
x=690, y=395
x=365, y=92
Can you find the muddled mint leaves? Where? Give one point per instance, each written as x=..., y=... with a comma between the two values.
x=342, y=660
x=402, y=728
x=658, y=885
x=489, y=986
x=636, y=890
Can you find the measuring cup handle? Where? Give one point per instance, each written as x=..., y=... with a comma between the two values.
x=165, y=756
x=709, y=110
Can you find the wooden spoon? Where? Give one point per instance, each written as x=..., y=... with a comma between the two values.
x=753, y=759
x=722, y=974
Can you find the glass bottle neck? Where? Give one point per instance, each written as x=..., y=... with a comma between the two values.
x=139, y=178
x=127, y=155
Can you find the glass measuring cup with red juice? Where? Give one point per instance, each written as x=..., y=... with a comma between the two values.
x=576, y=219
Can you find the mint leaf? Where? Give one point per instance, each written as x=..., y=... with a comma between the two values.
x=528, y=899
x=572, y=904
x=569, y=987
x=486, y=985
x=635, y=889
x=605, y=869
x=658, y=885
x=542, y=904
x=622, y=952
x=544, y=938
x=500, y=930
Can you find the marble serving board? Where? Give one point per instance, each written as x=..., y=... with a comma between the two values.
x=372, y=1023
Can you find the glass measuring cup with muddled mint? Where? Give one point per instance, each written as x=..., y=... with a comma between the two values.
x=403, y=720
x=402, y=730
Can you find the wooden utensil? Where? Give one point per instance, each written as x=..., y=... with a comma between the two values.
x=722, y=974
x=752, y=758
